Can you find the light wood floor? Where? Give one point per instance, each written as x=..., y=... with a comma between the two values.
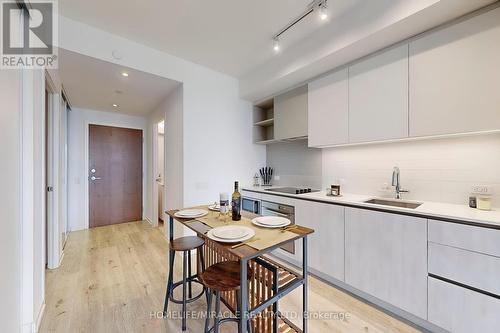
x=112, y=279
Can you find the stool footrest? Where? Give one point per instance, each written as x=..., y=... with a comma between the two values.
x=193, y=279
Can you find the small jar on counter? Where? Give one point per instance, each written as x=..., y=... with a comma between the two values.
x=484, y=202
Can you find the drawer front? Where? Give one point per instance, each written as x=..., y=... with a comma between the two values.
x=460, y=310
x=469, y=268
x=466, y=237
x=251, y=195
x=278, y=199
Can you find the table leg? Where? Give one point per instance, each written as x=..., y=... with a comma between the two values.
x=171, y=228
x=304, y=286
x=243, y=296
x=171, y=256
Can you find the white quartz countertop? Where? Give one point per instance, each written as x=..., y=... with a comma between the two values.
x=428, y=208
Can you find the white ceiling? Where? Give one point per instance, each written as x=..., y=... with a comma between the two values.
x=230, y=36
x=235, y=36
x=95, y=84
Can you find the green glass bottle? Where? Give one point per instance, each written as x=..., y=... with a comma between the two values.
x=236, y=203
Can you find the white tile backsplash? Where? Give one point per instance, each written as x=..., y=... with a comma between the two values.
x=295, y=164
x=434, y=170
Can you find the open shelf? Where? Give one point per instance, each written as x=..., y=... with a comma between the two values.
x=266, y=142
x=265, y=123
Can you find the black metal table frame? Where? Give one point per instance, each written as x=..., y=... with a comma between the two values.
x=246, y=313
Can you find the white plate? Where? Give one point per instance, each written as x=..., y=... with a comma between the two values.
x=214, y=207
x=191, y=213
x=272, y=221
x=222, y=240
x=270, y=227
x=231, y=232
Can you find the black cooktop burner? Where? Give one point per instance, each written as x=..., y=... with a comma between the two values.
x=291, y=190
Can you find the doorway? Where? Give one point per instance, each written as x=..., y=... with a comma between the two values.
x=115, y=175
x=160, y=167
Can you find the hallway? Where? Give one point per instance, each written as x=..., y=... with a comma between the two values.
x=109, y=281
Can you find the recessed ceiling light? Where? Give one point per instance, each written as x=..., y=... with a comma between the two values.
x=115, y=105
x=125, y=74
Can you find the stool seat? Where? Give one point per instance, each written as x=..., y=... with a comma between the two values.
x=186, y=243
x=224, y=276
x=218, y=278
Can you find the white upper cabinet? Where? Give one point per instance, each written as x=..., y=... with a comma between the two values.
x=378, y=97
x=290, y=114
x=328, y=118
x=455, y=78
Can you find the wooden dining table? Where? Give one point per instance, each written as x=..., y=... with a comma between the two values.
x=270, y=280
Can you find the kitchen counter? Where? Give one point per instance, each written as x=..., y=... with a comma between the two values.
x=428, y=209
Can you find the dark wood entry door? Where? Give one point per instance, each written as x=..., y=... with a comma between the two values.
x=115, y=175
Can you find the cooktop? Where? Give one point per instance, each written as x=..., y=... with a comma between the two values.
x=291, y=190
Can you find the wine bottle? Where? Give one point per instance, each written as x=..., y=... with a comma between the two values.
x=236, y=203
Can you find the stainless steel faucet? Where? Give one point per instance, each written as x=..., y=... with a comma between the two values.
x=396, y=182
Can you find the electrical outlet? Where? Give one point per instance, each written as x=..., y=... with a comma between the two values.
x=482, y=189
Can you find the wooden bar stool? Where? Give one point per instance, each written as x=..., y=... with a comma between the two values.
x=186, y=245
x=223, y=277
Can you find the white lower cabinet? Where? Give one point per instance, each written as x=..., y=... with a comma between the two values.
x=326, y=244
x=461, y=310
x=386, y=256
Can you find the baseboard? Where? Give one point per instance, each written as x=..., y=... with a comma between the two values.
x=149, y=221
x=61, y=259
x=36, y=325
x=28, y=328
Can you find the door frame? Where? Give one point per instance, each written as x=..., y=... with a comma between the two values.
x=154, y=184
x=87, y=162
x=54, y=248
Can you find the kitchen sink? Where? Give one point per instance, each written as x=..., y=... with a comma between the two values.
x=394, y=203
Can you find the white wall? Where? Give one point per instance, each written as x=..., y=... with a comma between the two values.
x=22, y=240
x=218, y=146
x=440, y=170
x=78, y=151
x=10, y=201
x=216, y=123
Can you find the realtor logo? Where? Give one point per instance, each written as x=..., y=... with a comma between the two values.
x=28, y=34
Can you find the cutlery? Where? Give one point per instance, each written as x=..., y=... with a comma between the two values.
x=245, y=242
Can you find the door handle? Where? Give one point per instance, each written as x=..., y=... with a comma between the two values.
x=95, y=178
